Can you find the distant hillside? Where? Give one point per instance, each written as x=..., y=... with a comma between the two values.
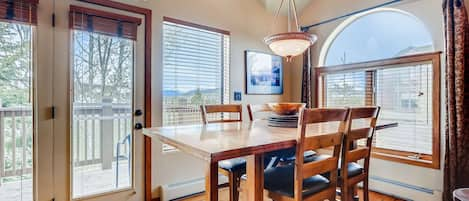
x=189, y=93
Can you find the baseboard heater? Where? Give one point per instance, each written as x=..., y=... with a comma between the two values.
x=401, y=184
x=171, y=192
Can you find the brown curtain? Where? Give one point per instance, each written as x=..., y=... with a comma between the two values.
x=457, y=97
x=306, y=80
x=107, y=23
x=19, y=11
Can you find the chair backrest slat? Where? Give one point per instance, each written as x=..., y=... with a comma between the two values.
x=322, y=141
x=209, y=109
x=364, y=112
x=358, y=134
x=358, y=153
x=223, y=108
x=321, y=115
x=320, y=167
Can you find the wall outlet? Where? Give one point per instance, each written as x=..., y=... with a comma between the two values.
x=237, y=96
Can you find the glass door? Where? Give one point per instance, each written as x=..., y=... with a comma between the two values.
x=16, y=112
x=102, y=110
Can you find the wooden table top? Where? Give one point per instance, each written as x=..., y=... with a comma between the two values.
x=221, y=141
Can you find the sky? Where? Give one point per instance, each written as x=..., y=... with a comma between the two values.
x=377, y=36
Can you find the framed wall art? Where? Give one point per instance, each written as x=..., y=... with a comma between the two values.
x=264, y=73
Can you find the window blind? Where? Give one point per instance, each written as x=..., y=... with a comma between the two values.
x=404, y=94
x=106, y=23
x=23, y=11
x=195, y=71
x=345, y=89
x=405, y=97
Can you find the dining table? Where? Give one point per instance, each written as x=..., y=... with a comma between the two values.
x=221, y=141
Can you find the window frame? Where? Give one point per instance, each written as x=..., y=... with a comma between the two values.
x=424, y=160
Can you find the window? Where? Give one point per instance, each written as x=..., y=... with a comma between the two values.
x=393, y=70
x=378, y=35
x=195, y=70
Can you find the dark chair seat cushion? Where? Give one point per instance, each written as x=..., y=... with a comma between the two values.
x=239, y=164
x=233, y=165
x=290, y=157
x=353, y=169
x=281, y=180
x=315, y=157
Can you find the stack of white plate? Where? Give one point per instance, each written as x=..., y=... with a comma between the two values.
x=287, y=121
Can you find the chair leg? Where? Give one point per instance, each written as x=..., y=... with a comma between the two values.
x=234, y=181
x=344, y=193
x=333, y=197
x=366, y=193
x=352, y=193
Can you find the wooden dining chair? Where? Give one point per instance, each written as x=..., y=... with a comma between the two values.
x=284, y=156
x=351, y=173
x=256, y=109
x=303, y=180
x=220, y=109
x=235, y=168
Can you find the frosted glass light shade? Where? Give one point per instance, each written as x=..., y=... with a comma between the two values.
x=290, y=44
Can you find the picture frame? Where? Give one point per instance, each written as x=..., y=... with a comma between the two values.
x=264, y=73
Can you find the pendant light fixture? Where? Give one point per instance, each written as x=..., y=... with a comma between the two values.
x=291, y=43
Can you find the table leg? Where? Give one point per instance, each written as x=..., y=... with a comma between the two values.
x=211, y=182
x=255, y=177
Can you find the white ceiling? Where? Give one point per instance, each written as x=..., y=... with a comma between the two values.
x=272, y=5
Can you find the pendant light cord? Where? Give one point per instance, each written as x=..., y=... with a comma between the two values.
x=289, y=16
x=291, y=7
x=295, y=14
x=276, y=16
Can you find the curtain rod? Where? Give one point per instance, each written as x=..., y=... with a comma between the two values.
x=306, y=28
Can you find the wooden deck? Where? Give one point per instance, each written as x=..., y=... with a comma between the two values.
x=88, y=179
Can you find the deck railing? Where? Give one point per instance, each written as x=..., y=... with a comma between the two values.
x=92, y=142
x=15, y=135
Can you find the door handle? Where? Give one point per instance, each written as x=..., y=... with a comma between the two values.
x=138, y=112
x=138, y=126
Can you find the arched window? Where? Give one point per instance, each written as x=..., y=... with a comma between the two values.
x=377, y=35
x=386, y=58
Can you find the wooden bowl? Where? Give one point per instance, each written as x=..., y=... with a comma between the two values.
x=286, y=108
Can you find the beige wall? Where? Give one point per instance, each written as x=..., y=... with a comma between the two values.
x=430, y=13
x=249, y=23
